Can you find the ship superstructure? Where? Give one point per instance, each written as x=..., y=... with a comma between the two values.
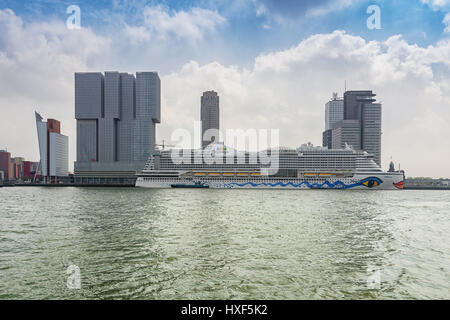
x=306, y=167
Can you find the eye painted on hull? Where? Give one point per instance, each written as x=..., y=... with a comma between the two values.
x=371, y=182
x=399, y=185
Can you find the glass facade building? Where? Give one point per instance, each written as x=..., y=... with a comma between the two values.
x=334, y=112
x=361, y=124
x=210, y=117
x=53, y=148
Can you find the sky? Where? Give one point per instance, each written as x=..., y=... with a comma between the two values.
x=274, y=64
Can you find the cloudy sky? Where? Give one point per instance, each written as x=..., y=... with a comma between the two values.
x=274, y=64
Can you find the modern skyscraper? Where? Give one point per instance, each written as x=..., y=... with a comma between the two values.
x=353, y=102
x=210, y=117
x=334, y=112
x=116, y=117
x=359, y=111
x=53, y=148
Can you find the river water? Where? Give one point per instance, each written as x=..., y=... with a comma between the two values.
x=131, y=243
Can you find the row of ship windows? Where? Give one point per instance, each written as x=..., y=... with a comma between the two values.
x=247, y=167
x=257, y=169
x=284, y=157
x=306, y=166
x=280, y=161
x=238, y=154
x=254, y=161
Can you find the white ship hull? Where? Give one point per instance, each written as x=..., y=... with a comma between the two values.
x=366, y=181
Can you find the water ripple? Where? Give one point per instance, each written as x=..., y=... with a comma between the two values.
x=224, y=244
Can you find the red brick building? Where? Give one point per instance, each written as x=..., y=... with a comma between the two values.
x=27, y=170
x=5, y=163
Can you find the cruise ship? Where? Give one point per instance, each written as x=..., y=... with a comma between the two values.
x=306, y=167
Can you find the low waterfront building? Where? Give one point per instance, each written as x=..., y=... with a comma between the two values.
x=11, y=175
x=17, y=163
x=30, y=169
x=5, y=164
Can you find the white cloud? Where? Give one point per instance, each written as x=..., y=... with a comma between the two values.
x=446, y=21
x=437, y=3
x=189, y=25
x=165, y=39
x=37, y=62
x=260, y=9
x=331, y=7
x=286, y=14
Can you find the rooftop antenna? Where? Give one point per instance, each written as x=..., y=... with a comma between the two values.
x=345, y=85
x=164, y=145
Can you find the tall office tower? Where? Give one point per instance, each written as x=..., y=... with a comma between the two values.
x=53, y=148
x=334, y=112
x=116, y=117
x=354, y=101
x=361, y=111
x=210, y=117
